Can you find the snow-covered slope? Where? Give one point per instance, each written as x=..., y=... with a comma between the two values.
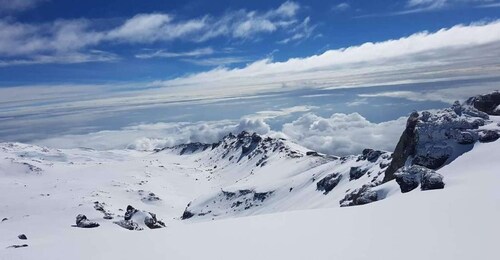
x=43, y=190
x=458, y=222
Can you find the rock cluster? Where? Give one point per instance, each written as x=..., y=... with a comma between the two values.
x=410, y=178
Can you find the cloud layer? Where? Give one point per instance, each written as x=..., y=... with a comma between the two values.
x=340, y=134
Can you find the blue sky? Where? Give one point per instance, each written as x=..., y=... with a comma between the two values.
x=195, y=70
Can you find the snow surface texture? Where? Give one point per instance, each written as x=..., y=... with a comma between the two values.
x=42, y=190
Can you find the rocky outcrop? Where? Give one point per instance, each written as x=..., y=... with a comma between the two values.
x=410, y=178
x=435, y=139
x=227, y=201
x=404, y=148
x=371, y=155
x=328, y=183
x=83, y=222
x=361, y=196
x=489, y=103
x=22, y=237
x=356, y=173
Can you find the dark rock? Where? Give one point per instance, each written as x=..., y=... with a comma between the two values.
x=22, y=237
x=128, y=224
x=410, y=178
x=486, y=103
x=356, y=173
x=431, y=161
x=99, y=206
x=187, y=214
x=261, y=196
x=431, y=181
x=488, y=136
x=311, y=153
x=371, y=155
x=83, y=222
x=328, y=183
x=17, y=246
x=404, y=148
x=152, y=223
x=465, y=138
x=361, y=196
x=4, y=219
x=130, y=212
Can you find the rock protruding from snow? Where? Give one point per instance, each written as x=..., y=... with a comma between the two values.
x=328, y=183
x=135, y=219
x=22, y=237
x=435, y=139
x=410, y=178
x=488, y=103
x=226, y=202
x=361, y=196
x=404, y=148
x=83, y=222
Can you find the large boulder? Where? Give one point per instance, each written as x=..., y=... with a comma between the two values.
x=410, y=178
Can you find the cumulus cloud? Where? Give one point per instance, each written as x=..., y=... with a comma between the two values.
x=343, y=134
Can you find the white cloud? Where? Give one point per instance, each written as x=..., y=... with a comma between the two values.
x=302, y=31
x=167, y=54
x=447, y=95
x=63, y=37
x=415, y=6
x=341, y=7
x=218, y=61
x=344, y=134
x=420, y=57
x=18, y=5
